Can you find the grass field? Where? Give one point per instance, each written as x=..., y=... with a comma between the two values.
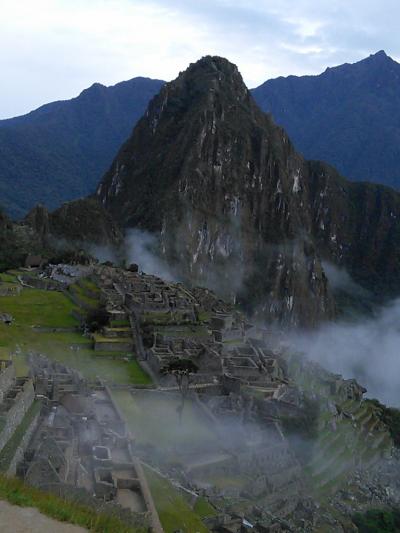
x=16, y=492
x=173, y=509
x=52, y=309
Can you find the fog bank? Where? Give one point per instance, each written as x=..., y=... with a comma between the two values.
x=367, y=349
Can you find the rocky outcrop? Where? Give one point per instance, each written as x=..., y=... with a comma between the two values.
x=81, y=222
x=235, y=206
x=75, y=226
x=85, y=221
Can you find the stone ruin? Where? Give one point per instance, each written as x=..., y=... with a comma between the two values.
x=16, y=398
x=82, y=442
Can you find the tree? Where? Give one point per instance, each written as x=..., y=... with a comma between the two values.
x=97, y=318
x=183, y=370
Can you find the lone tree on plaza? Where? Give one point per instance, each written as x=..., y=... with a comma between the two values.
x=183, y=370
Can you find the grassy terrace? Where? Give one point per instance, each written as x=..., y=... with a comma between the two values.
x=120, y=340
x=119, y=323
x=17, y=493
x=173, y=509
x=163, y=318
x=53, y=309
x=335, y=451
x=195, y=331
x=83, y=297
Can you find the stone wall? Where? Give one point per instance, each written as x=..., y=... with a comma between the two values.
x=16, y=412
x=7, y=377
x=19, y=452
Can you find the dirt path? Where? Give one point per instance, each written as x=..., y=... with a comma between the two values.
x=28, y=520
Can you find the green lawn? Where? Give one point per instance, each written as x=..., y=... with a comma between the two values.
x=174, y=511
x=40, y=308
x=6, y=277
x=52, y=309
x=203, y=508
x=137, y=375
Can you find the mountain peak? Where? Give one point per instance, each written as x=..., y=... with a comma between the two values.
x=207, y=76
x=213, y=64
x=379, y=58
x=380, y=55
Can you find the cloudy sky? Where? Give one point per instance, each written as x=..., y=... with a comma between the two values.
x=53, y=49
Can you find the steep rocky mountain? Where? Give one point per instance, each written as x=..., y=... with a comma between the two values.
x=60, y=151
x=238, y=209
x=349, y=116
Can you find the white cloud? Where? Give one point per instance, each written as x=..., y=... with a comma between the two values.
x=53, y=49
x=367, y=349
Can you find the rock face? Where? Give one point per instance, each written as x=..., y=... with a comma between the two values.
x=349, y=116
x=237, y=208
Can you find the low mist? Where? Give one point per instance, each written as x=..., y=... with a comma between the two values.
x=141, y=247
x=367, y=349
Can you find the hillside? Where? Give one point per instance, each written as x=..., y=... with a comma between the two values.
x=59, y=151
x=348, y=116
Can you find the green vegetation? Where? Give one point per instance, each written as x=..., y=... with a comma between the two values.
x=89, y=285
x=336, y=449
x=120, y=340
x=391, y=417
x=8, y=452
x=6, y=277
x=81, y=297
x=137, y=375
x=119, y=323
x=39, y=307
x=45, y=150
x=204, y=316
x=203, y=508
x=52, y=309
x=174, y=511
x=17, y=493
x=377, y=520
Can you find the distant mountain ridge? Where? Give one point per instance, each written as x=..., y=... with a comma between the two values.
x=348, y=116
x=60, y=151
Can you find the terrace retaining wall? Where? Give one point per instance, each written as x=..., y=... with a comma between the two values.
x=13, y=417
x=19, y=452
